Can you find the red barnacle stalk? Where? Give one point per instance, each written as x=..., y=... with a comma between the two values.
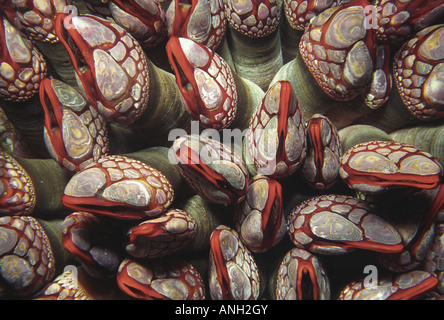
x=253, y=18
x=406, y=286
x=144, y=19
x=233, y=273
x=276, y=134
x=27, y=261
x=119, y=187
x=340, y=50
x=75, y=134
x=17, y=196
x=259, y=219
x=301, y=276
x=213, y=170
x=336, y=224
x=38, y=17
x=418, y=73
x=109, y=63
x=321, y=165
x=398, y=20
x=170, y=232
x=376, y=166
x=165, y=279
x=300, y=12
x=205, y=82
x=22, y=66
x=201, y=21
x=93, y=241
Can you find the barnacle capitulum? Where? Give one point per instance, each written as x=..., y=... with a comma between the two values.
x=200, y=21
x=337, y=224
x=170, y=278
x=119, y=187
x=321, y=165
x=299, y=12
x=376, y=166
x=171, y=232
x=259, y=217
x=418, y=71
x=27, y=261
x=213, y=170
x=22, y=66
x=301, y=276
x=110, y=66
x=75, y=134
x=406, y=286
x=398, y=20
x=343, y=57
x=205, y=82
x=233, y=273
x=276, y=137
x=253, y=18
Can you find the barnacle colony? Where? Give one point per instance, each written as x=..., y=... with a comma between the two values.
x=108, y=190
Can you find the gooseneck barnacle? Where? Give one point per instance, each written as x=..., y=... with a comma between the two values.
x=219, y=150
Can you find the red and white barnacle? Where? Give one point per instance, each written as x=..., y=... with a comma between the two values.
x=336, y=224
x=340, y=50
x=233, y=273
x=418, y=71
x=110, y=66
x=170, y=232
x=22, y=66
x=215, y=171
x=75, y=134
x=119, y=187
x=17, y=193
x=165, y=279
x=406, y=286
x=300, y=12
x=376, y=166
x=301, y=276
x=276, y=134
x=93, y=241
x=259, y=220
x=398, y=20
x=205, y=82
x=253, y=18
x=202, y=21
x=144, y=19
x=26, y=258
x=38, y=17
x=321, y=165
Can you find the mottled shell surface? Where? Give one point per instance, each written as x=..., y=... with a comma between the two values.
x=213, y=170
x=402, y=287
x=253, y=18
x=298, y=263
x=300, y=12
x=233, y=273
x=168, y=279
x=418, y=72
x=259, y=219
x=276, y=134
x=26, y=258
x=336, y=224
x=110, y=66
x=398, y=20
x=376, y=166
x=202, y=21
x=17, y=193
x=119, y=187
x=22, y=66
x=75, y=134
x=205, y=83
x=321, y=165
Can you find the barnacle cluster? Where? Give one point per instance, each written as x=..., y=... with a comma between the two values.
x=117, y=180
